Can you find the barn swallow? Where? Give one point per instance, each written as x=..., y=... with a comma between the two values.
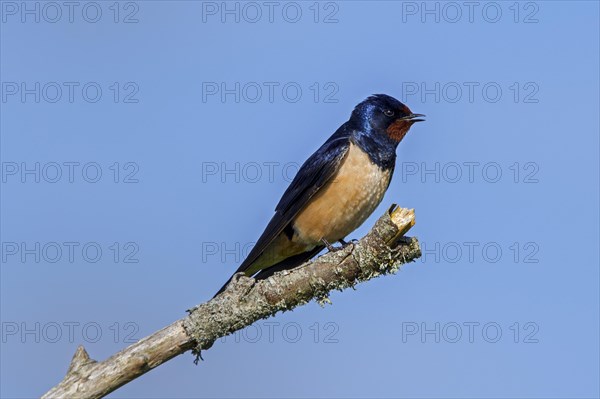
x=335, y=190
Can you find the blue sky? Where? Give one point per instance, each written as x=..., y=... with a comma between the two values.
x=145, y=144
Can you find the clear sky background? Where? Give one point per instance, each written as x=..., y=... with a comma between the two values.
x=197, y=119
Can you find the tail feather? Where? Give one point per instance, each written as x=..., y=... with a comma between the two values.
x=286, y=264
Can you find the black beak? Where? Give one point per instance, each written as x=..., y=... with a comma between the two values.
x=414, y=118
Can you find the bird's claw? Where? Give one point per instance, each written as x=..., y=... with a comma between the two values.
x=343, y=244
x=330, y=247
x=404, y=240
x=353, y=241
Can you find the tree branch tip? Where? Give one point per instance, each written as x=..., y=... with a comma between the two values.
x=79, y=360
x=403, y=216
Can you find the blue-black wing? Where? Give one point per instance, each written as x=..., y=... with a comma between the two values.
x=312, y=176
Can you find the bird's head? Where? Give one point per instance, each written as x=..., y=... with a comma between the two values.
x=382, y=114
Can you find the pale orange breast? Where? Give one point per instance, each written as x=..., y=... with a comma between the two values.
x=344, y=203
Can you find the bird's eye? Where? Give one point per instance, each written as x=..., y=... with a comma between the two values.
x=388, y=112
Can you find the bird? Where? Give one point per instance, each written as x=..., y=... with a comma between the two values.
x=335, y=190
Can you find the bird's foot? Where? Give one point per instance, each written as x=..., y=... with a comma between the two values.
x=346, y=243
x=330, y=247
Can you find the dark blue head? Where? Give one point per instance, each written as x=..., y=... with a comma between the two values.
x=381, y=114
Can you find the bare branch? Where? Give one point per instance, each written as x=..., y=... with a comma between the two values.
x=383, y=250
